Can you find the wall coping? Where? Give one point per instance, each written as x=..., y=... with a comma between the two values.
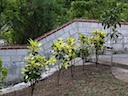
x=6, y=47
x=64, y=25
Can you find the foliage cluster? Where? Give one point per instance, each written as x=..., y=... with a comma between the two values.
x=64, y=51
x=3, y=74
x=27, y=19
x=23, y=19
x=112, y=19
x=98, y=40
x=85, y=48
x=35, y=64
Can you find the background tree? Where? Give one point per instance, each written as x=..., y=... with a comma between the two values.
x=29, y=19
x=92, y=9
x=87, y=9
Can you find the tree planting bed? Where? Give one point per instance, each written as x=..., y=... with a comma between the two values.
x=93, y=81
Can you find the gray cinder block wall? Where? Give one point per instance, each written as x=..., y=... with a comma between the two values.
x=14, y=60
x=13, y=56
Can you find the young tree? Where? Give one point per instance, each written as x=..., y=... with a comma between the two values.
x=111, y=19
x=86, y=9
x=29, y=19
x=97, y=40
x=70, y=52
x=64, y=53
x=84, y=49
x=58, y=51
x=35, y=64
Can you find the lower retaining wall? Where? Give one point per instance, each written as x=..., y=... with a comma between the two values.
x=14, y=72
x=14, y=60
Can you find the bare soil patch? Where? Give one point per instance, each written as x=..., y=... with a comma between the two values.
x=93, y=81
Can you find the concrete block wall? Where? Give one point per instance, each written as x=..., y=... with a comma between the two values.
x=68, y=31
x=13, y=56
x=14, y=60
x=85, y=27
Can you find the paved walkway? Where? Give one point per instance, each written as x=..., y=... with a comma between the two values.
x=119, y=60
x=120, y=73
x=120, y=65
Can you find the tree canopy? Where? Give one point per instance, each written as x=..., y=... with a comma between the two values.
x=24, y=19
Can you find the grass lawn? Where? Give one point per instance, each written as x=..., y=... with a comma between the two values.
x=93, y=81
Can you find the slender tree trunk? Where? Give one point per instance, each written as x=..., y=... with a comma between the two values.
x=96, y=59
x=1, y=84
x=74, y=64
x=83, y=60
x=123, y=44
x=58, y=79
x=72, y=71
x=112, y=53
x=111, y=42
x=72, y=67
x=32, y=88
x=83, y=63
x=58, y=76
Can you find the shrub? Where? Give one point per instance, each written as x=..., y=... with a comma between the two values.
x=97, y=40
x=84, y=50
x=64, y=53
x=35, y=64
x=3, y=74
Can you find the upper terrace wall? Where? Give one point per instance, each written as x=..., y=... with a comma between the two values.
x=13, y=56
x=85, y=27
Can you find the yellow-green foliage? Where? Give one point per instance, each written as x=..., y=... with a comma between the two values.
x=97, y=40
x=84, y=49
x=70, y=48
x=34, y=46
x=3, y=73
x=35, y=63
x=64, y=51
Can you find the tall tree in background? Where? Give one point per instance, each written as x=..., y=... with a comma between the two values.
x=24, y=19
x=29, y=19
x=85, y=9
x=92, y=9
x=63, y=7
